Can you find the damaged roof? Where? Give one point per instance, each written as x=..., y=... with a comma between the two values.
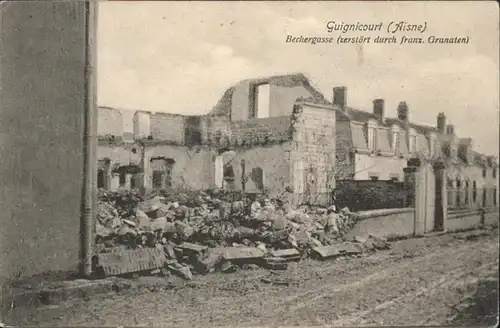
x=223, y=106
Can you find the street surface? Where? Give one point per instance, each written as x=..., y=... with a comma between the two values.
x=447, y=279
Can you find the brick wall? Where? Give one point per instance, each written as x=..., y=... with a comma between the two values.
x=110, y=122
x=260, y=131
x=41, y=136
x=361, y=195
x=313, y=152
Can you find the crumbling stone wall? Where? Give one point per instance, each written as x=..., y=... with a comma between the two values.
x=41, y=138
x=261, y=132
x=193, y=168
x=193, y=133
x=313, y=152
x=283, y=94
x=212, y=127
x=122, y=154
x=142, y=124
x=272, y=160
x=168, y=127
x=344, y=157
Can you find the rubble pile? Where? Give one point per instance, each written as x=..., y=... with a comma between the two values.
x=207, y=231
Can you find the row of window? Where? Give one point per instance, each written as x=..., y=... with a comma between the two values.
x=161, y=178
x=103, y=183
x=396, y=142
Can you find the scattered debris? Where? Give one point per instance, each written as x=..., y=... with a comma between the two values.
x=376, y=243
x=206, y=231
x=228, y=267
x=241, y=253
x=276, y=263
x=287, y=254
x=181, y=270
x=209, y=262
x=324, y=252
x=193, y=249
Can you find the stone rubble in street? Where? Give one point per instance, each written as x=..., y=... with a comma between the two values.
x=202, y=232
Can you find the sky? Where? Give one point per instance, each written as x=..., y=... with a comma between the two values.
x=180, y=57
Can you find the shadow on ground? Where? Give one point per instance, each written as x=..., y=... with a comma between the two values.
x=481, y=308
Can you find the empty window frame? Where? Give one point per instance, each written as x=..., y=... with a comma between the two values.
x=261, y=97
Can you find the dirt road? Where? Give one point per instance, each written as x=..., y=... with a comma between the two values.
x=448, y=279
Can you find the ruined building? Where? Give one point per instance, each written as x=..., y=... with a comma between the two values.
x=275, y=134
x=280, y=133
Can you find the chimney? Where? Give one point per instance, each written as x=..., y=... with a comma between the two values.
x=403, y=111
x=450, y=129
x=465, y=149
x=340, y=97
x=378, y=109
x=441, y=122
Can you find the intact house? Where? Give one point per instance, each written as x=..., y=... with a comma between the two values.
x=273, y=135
x=371, y=146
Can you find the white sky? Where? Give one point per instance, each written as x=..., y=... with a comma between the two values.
x=180, y=57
